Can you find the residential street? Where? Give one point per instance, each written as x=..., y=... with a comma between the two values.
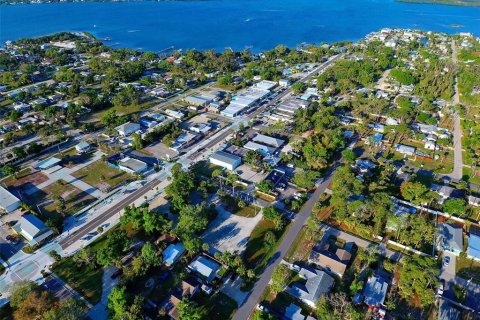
x=457, y=173
x=246, y=309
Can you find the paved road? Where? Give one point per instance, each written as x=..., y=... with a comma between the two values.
x=457, y=173
x=94, y=223
x=246, y=309
x=362, y=243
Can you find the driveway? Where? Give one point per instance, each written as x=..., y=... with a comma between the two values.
x=229, y=232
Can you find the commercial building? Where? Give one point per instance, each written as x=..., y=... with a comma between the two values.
x=225, y=160
x=132, y=165
x=127, y=129
x=8, y=202
x=199, y=101
x=243, y=100
x=174, y=114
x=184, y=140
x=32, y=229
x=269, y=141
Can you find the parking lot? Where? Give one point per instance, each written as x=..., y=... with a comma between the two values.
x=9, y=248
x=57, y=289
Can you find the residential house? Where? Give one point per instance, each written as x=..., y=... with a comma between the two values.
x=32, y=229
x=375, y=291
x=82, y=147
x=128, y=128
x=187, y=289
x=8, y=202
x=172, y=253
x=474, y=201
x=450, y=238
x=225, y=160
x=318, y=283
x=335, y=262
x=404, y=149
x=473, y=249
x=446, y=192
x=205, y=267
x=294, y=312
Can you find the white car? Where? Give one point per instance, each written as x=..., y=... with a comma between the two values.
x=440, y=290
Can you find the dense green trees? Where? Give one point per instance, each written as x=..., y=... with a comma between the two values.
x=418, y=279
x=402, y=76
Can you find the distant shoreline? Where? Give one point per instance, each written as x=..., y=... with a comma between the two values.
x=19, y=2
x=457, y=3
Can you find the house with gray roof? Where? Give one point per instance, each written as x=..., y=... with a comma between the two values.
x=269, y=141
x=375, y=291
x=318, y=283
x=8, y=202
x=450, y=238
x=32, y=229
x=205, y=267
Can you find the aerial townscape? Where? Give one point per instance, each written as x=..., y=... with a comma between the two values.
x=336, y=180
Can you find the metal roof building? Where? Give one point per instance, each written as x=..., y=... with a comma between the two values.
x=32, y=229
x=205, y=267
x=225, y=160
x=473, y=249
x=8, y=202
x=270, y=141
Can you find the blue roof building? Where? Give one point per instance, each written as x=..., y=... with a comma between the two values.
x=172, y=253
x=473, y=249
x=375, y=291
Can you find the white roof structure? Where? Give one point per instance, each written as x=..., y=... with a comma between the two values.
x=7, y=200
x=263, y=149
x=32, y=228
x=205, y=267
x=267, y=140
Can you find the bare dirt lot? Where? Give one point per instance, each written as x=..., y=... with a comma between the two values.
x=229, y=232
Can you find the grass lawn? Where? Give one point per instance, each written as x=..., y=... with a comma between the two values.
x=257, y=253
x=75, y=199
x=125, y=110
x=218, y=306
x=10, y=180
x=468, y=269
x=301, y=247
x=99, y=173
x=72, y=158
x=88, y=282
x=205, y=168
x=470, y=176
x=248, y=212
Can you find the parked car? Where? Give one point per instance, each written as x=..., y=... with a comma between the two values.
x=440, y=290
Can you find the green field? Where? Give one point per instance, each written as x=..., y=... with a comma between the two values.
x=99, y=173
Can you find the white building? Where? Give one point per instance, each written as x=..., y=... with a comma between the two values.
x=174, y=114
x=132, y=165
x=8, y=202
x=127, y=129
x=225, y=160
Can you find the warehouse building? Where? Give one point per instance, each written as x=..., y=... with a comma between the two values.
x=225, y=160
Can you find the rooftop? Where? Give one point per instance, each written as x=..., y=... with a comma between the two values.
x=225, y=157
x=7, y=198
